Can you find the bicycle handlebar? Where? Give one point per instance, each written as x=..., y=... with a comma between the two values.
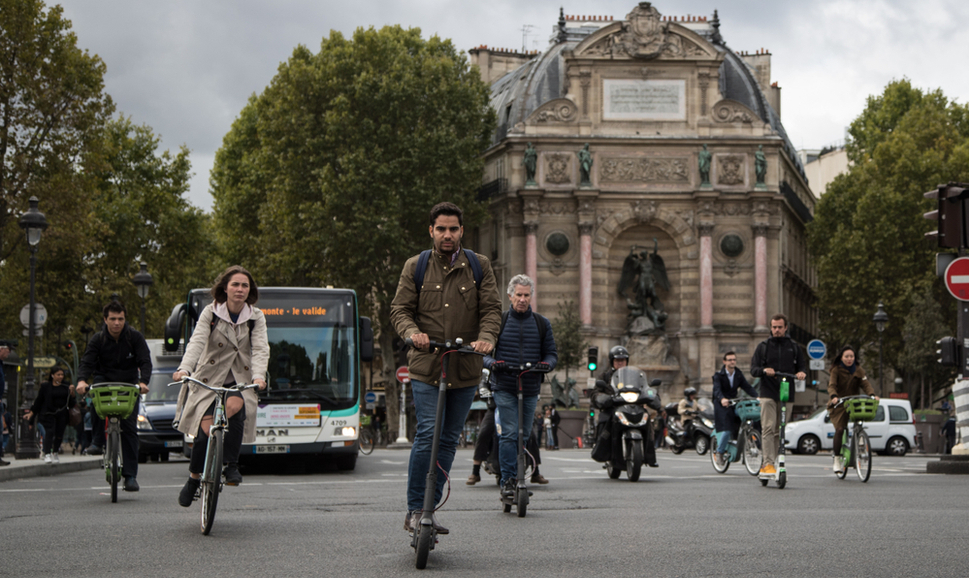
x=113, y=384
x=236, y=387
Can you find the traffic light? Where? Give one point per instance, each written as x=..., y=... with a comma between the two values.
x=68, y=346
x=950, y=215
x=594, y=354
x=949, y=352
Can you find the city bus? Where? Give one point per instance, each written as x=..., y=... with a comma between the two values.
x=317, y=341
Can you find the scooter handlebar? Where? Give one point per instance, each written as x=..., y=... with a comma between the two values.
x=448, y=345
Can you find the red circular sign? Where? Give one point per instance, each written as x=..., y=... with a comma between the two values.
x=402, y=373
x=957, y=278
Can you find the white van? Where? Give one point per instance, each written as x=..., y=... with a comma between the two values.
x=892, y=431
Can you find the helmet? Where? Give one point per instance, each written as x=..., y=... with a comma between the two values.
x=689, y=392
x=618, y=352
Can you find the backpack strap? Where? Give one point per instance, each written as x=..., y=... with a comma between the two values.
x=539, y=325
x=422, y=268
x=251, y=323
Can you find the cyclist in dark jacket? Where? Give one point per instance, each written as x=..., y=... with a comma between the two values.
x=727, y=382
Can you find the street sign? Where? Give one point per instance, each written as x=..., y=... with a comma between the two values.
x=816, y=364
x=816, y=349
x=42, y=362
x=957, y=278
x=370, y=397
x=40, y=315
x=402, y=374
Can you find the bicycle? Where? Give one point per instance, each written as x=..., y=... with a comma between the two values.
x=747, y=447
x=858, y=452
x=211, y=481
x=113, y=401
x=367, y=438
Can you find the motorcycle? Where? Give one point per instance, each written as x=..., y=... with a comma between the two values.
x=700, y=433
x=628, y=436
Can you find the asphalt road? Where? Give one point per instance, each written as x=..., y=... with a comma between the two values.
x=681, y=519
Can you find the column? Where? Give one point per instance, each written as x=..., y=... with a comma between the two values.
x=586, y=273
x=704, y=230
x=760, y=276
x=530, y=260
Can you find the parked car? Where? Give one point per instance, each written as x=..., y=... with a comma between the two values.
x=892, y=431
x=156, y=436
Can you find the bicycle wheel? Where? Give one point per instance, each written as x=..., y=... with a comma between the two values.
x=863, y=456
x=211, y=480
x=366, y=441
x=423, y=548
x=752, y=452
x=719, y=467
x=114, y=465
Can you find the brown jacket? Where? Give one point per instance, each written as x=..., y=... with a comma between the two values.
x=843, y=384
x=451, y=307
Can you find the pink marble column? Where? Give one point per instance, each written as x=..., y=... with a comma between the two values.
x=530, y=261
x=706, y=276
x=760, y=277
x=586, y=273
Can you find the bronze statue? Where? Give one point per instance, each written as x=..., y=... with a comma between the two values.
x=704, y=166
x=760, y=165
x=585, y=165
x=529, y=162
x=643, y=273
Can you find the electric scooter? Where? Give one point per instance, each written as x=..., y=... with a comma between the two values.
x=520, y=498
x=424, y=536
x=780, y=476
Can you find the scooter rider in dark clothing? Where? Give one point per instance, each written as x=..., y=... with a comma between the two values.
x=619, y=357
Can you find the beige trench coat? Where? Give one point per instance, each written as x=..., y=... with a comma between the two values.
x=209, y=356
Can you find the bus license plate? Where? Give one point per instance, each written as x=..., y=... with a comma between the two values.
x=271, y=449
x=175, y=444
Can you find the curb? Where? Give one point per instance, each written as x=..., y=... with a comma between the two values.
x=950, y=464
x=37, y=470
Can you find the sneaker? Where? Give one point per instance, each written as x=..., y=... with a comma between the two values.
x=55, y=459
x=48, y=459
x=768, y=470
x=188, y=492
x=233, y=477
x=131, y=484
x=836, y=463
x=93, y=450
x=473, y=479
x=538, y=479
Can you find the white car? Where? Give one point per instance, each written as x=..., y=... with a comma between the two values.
x=892, y=431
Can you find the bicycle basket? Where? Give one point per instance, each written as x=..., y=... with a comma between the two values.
x=748, y=409
x=114, y=400
x=861, y=409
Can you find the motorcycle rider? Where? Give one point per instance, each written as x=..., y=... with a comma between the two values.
x=687, y=409
x=608, y=432
x=726, y=385
x=619, y=357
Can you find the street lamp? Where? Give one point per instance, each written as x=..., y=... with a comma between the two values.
x=880, y=319
x=143, y=280
x=33, y=223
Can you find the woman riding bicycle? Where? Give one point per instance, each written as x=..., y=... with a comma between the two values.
x=229, y=346
x=846, y=379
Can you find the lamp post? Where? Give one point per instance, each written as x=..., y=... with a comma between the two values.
x=33, y=223
x=880, y=319
x=143, y=280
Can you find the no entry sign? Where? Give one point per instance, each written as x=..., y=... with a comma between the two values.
x=402, y=374
x=957, y=278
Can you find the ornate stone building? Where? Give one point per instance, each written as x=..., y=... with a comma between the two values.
x=689, y=161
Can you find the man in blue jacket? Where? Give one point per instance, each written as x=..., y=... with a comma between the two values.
x=726, y=385
x=524, y=337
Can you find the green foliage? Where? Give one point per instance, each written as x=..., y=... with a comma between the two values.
x=569, y=341
x=867, y=237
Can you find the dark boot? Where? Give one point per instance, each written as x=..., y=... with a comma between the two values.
x=188, y=492
x=233, y=443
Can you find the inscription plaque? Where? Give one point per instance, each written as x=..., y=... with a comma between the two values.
x=644, y=100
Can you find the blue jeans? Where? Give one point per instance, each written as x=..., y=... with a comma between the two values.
x=723, y=438
x=508, y=416
x=457, y=403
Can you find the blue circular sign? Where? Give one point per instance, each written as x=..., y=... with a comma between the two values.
x=816, y=349
x=370, y=397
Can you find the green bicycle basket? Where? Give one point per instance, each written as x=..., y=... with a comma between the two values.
x=114, y=400
x=748, y=409
x=861, y=409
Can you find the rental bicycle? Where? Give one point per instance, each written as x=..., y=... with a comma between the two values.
x=113, y=401
x=368, y=438
x=747, y=447
x=212, y=482
x=855, y=449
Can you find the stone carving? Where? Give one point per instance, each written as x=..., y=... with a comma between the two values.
x=705, y=229
x=530, y=206
x=559, y=110
x=644, y=212
x=529, y=162
x=732, y=111
x=564, y=395
x=704, y=166
x=555, y=207
x=557, y=168
x=619, y=169
x=760, y=166
x=585, y=166
x=643, y=273
x=730, y=169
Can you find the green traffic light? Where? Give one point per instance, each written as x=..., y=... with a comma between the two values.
x=591, y=366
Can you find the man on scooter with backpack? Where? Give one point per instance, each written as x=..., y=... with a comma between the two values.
x=524, y=337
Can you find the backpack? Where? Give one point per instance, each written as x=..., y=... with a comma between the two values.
x=422, y=267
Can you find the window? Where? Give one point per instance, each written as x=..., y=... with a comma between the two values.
x=880, y=414
x=897, y=413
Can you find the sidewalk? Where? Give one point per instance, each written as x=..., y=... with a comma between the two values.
x=36, y=467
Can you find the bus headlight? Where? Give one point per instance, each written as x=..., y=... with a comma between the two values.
x=346, y=432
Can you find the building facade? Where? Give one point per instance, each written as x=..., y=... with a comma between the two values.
x=647, y=142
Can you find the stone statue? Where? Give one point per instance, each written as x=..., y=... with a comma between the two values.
x=704, y=166
x=564, y=395
x=642, y=274
x=760, y=166
x=529, y=160
x=585, y=166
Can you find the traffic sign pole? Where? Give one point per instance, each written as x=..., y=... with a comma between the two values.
x=402, y=376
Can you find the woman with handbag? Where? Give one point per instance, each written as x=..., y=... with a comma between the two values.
x=54, y=400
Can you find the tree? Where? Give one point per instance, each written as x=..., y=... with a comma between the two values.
x=570, y=345
x=921, y=329
x=867, y=237
x=332, y=170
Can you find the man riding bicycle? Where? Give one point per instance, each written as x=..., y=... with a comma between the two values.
x=726, y=385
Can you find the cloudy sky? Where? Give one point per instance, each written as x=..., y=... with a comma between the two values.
x=186, y=67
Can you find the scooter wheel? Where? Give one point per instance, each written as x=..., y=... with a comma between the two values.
x=521, y=502
x=423, y=548
x=764, y=482
x=782, y=480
